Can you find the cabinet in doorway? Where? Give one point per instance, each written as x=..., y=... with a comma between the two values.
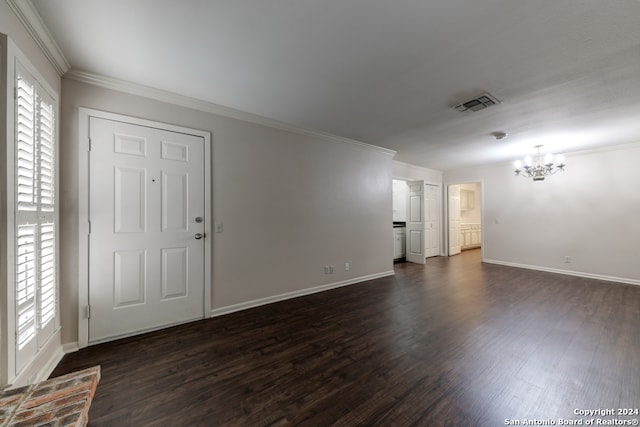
x=467, y=199
x=471, y=235
x=399, y=242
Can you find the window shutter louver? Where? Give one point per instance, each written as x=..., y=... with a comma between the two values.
x=25, y=144
x=46, y=157
x=26, y=285
x=47, y=295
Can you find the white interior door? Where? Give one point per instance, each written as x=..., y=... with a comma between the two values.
x=415, y=223
x=146, y=245
x=454, y=220
x=432, y=220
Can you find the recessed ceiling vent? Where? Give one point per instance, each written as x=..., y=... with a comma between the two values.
x=479, y=103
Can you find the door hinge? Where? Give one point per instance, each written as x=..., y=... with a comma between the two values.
x=89, y=227
x=15, y=93
x=89, y=144
x=87, y=312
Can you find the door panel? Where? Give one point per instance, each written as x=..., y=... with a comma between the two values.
x=146, y=269
x=415, y=207
x=129, y=281
x=175, y=151
x=415, y=241
x=132, y=145
x=415, y=223
x=454, y=220
x=175, y=197
x=174, y=272
x=130, y=196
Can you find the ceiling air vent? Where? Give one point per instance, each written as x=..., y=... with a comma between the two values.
x=479, y=103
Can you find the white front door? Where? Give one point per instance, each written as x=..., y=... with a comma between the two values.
x=454, y=220
x=415, y=223
x=146, y=241
x=432, y=220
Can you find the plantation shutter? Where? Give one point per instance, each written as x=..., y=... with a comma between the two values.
x=25, y=140
x=36, y=287
x=47, y=294
x=26, y=290
x=47, y=155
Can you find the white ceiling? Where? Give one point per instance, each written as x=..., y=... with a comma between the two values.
x=385, y=72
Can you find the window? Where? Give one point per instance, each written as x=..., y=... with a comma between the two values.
x=35, y=217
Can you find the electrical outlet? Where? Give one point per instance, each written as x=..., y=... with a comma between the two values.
x=326, y=269
x=347, y=266
x=331, y=267
x=567, y=260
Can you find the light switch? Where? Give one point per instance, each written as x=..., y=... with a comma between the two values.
x=218, y=227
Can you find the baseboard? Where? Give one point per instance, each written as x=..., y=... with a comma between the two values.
x=70, y=347
x=43, y=364
x=51, y=365
x=566, y=272
x=281, y=297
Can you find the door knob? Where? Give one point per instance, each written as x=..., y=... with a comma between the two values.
x=199, y=236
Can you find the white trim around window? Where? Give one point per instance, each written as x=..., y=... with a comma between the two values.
x=30, y=322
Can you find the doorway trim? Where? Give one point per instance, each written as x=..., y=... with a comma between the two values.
x=84, y=115
x=445, y=207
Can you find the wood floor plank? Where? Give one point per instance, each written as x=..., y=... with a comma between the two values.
x=453, y=343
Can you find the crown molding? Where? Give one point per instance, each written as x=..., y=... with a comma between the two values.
x=418, y=168
x=210, y=107
x=32, y=22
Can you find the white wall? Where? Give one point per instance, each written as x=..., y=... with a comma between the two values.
x=410, y=172
x=589, y=213
x=290, y=203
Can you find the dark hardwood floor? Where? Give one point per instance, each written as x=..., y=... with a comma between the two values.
x=452, y=343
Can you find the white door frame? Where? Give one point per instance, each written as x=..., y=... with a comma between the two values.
x=445, y=206
x=83, y=208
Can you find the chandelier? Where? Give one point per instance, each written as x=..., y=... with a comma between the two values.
x=540, y=167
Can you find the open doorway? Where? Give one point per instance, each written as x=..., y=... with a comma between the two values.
x=464, y=206
x=416, y=220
